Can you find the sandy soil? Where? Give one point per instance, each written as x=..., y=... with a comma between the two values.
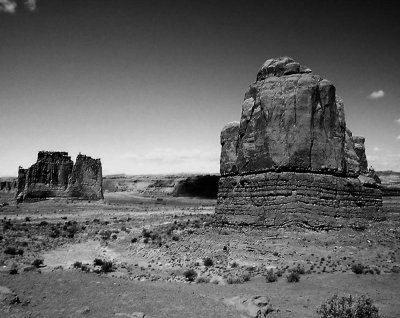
x=151, y=243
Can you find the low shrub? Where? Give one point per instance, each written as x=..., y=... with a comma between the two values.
x=175, y=238
x=299, y=270
x=190, y=275
x=10, y=250
x=234, y=280
x=246, y=277
x=13, y=271
x=134, y=240
x=97, y=262
x=77, y=264
x=270, y=276
x=348, y=307
x=202, y=280
x=238, y=279
x=37, y=262
x=107, y=267
x=208, y=261
x=146, y=233
x=293, y=277
x=357, y=268
x=234, y=265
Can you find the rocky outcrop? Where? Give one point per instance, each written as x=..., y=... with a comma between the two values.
x=8, y=185
x=55, y=175
x=86, y=179
x=291, y=157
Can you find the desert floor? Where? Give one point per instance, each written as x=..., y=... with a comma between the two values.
x=152, y=242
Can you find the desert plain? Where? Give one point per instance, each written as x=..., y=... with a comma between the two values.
x=162, y=256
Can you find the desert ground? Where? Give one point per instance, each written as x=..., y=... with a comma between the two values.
x=141, y=256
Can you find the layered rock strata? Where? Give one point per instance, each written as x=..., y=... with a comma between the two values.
x=291, y=158
x=55, y=175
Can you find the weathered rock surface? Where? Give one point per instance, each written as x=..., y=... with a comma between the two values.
x=292, y=121
x=86, y=179
x=251, y=306
x=55, y=175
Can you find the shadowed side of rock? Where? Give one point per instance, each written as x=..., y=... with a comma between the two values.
x=197, y=186
x=291, y=159
x=55, y=175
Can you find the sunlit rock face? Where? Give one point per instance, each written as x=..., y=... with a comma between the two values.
x=291, y=157
x=55, y=175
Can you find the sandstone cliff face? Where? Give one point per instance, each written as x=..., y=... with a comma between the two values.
x=292, y=121
x=54, y=175
x=86, y=179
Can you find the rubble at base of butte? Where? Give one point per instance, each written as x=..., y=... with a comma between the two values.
x=55, y=175
x=291, y=159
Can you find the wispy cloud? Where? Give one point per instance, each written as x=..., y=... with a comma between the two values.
x=376, y=149
x=10, y=6
x=30, y=5
x=169, y=160
x=398, y=137
x=398, y=121
x=384, y=161
x=376, y=94
x=169, y=155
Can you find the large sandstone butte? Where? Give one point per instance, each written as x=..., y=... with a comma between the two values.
x=55, y=175
x=291, y=158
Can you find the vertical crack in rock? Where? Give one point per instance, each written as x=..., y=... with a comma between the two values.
x=308, y=169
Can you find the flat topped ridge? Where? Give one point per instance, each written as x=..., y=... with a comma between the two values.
x=281, y=66
x=53, y=155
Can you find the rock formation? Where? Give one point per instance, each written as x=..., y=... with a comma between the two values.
x=86, y=179
x=291, y=158
x=8, y=184
x=55, y=175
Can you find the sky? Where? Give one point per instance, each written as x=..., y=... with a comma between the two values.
x=148, y=85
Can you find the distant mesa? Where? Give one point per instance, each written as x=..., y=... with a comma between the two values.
x=291, y=158
x=54, y=175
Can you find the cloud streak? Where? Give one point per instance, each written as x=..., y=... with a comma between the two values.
x=172, y=156
x=376, y=94
x=10, y=6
